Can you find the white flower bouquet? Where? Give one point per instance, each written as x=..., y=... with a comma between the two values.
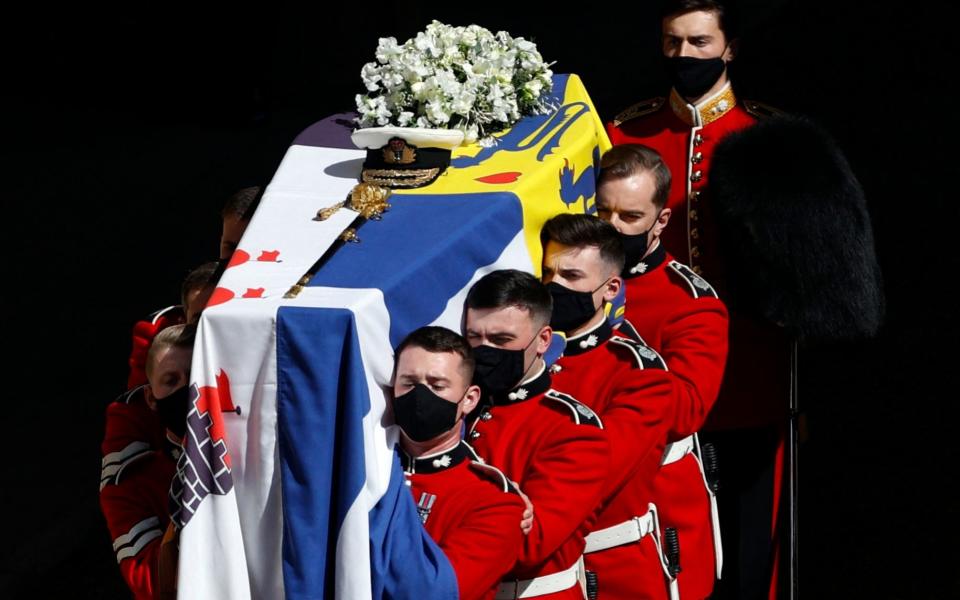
x=463, y=78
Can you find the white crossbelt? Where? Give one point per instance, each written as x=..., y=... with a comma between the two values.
x=541, y=586
x=714, y=514
x=627, y=532
x=677, y=450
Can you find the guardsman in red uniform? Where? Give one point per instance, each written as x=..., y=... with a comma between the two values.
x=134, y=485
x=628, y=385
x=136, y=511
x=686, y=127
x=751, y=410
x=132, y=429
x=550, y=443
x=676, y=311
x=468, y=507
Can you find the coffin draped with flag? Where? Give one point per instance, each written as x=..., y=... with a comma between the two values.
x=289, y=486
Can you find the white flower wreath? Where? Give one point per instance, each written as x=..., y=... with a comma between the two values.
x=464, y=78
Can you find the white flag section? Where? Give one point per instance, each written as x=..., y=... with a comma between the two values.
x=289, y=486
x=234, y=368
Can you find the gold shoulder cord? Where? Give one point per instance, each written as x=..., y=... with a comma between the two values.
x=761, y=110
x=638, y=110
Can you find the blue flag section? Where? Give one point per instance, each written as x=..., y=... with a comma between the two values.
x=423, y=251
x=322, y=455
x=404, y=565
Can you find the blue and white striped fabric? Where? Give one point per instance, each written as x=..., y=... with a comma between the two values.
x=323, y=466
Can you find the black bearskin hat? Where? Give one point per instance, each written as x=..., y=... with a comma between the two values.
x=796, y=232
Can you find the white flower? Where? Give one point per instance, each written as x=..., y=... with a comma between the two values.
x=427, y=44
x=436, y=112
x=396, y=101
x=417, y=89
x=447, y=82
x=371, y=76
x=387, y=49
x=523, y=45
x=373, y=110
x=451, y=54
x=391, y=80
x=462, y=104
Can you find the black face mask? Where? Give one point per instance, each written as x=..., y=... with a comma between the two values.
x=571, y=308
x=692, y=76
x=423, y=415
x=498, y=370
x=173, y=410
x=635, y=246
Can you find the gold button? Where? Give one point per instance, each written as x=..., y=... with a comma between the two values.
x=697, y=140
x=693, y=215
x=695, y=252
x=474, y=435
x=697, y=158
x=698, y=270
x=695, y=234
x=695, y=195
x=697, y=176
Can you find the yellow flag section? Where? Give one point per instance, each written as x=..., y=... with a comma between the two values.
x=549, y=162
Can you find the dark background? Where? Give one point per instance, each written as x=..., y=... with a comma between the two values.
x=124, y=134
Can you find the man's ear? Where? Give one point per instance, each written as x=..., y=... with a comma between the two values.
x=471, y=399
x=613, y=288
x=732, y=49
x=661, y=223
x=149, y=398
x=543, y=340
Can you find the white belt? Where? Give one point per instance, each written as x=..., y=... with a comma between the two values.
x=541, y=586
x=632, y=531
x=677, y=450
x=627, y=532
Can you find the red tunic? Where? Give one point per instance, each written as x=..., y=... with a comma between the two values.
x=473, y=514
x=559, y=457
x=628, y=385
x=135, y=507
x=677, y=312
x=131, y=430
x=754, y=392
x=686, y=139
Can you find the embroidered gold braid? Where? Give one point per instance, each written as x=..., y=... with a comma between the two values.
x=399, y=177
